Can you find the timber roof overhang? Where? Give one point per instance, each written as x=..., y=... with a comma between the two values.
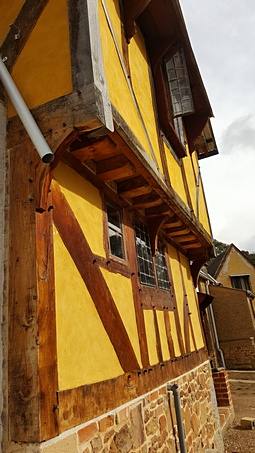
x=163, y=26
x=116, y=164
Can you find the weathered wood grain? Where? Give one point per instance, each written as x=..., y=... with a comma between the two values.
x=87, y=57
x=153, y=298
x=23, y=401
x=169, y=335
x=132, y=258
x=47, y=362
x=157, y=335
x=84, y=403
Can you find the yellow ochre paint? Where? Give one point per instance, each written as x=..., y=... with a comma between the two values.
x=202, y=206
x=119, y=91
x=175, y=174
x=86, y=203
x=121, y=291
x=193, y=304
x=190, y=177
x=151, y=336
x=43, y=70
x=175, y=334
x=140, y=71
x=236, y=264
x=84, y=351
x=8, y=13
x=177, y=280
x=162, y=334
x=203, y=213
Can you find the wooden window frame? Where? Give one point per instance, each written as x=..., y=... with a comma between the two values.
x=118, y=209
x=155, y=265
x=111, y=262
x=177, y=80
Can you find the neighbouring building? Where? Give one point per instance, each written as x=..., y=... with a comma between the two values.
x=101, y=248
x=234, y=307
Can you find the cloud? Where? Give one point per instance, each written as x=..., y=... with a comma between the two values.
x=249, y=244
x=222, y=34
x=239, y=137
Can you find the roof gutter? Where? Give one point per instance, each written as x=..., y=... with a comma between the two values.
x=25, y=115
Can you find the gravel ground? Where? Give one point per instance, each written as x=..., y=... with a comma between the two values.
x=238, y=440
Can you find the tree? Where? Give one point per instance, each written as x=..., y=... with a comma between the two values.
x=219, y=247
x=249, y=256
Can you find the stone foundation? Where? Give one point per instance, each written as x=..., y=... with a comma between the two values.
x=148, y=424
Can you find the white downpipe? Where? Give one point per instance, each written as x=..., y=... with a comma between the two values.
x=25, y=115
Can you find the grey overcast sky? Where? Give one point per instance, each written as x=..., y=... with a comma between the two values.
x=222, y=34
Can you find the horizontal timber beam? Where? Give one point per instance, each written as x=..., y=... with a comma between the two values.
x=81, y=404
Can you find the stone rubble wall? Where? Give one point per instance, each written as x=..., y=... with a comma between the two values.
x=239, y=354
x=148, y=424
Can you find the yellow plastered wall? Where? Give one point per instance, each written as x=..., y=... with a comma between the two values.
x=193, y=304
x=203, y=213
x=162, y=334
x=86, y=203
x=174, y=334
x=190, y=177
x=120, y=94
x=178, y=286
x=8, y=13
x=175, y=174
x=179, y=294
x=84, y=351
x=236, y=264
x=43, y=70
x=151, y=336
x=140, y=72
x=121, y=291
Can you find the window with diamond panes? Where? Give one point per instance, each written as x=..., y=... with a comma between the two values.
x=114, y=216
x=144, y=255
x=161, y=267
x=147, y=265
x=178, y=82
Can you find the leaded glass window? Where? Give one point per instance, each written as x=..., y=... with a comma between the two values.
x=144, y=255
x=178, y=82
x=153, y=271
x=161, y=267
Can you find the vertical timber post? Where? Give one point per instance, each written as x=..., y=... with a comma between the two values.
x=2, y=251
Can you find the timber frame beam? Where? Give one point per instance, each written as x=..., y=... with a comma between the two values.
x=119, y=161
x=84, y=403
x=20, y=31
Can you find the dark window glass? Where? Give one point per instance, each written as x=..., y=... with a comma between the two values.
x=161, y=268
x=178, y=82
x=241, y=282
x=115, y=231
x=144, y=255
x=147, y=265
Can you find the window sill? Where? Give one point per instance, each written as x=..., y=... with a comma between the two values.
x=154, y=298
x=114, y=265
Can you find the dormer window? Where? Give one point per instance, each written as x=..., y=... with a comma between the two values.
x=178, y=82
